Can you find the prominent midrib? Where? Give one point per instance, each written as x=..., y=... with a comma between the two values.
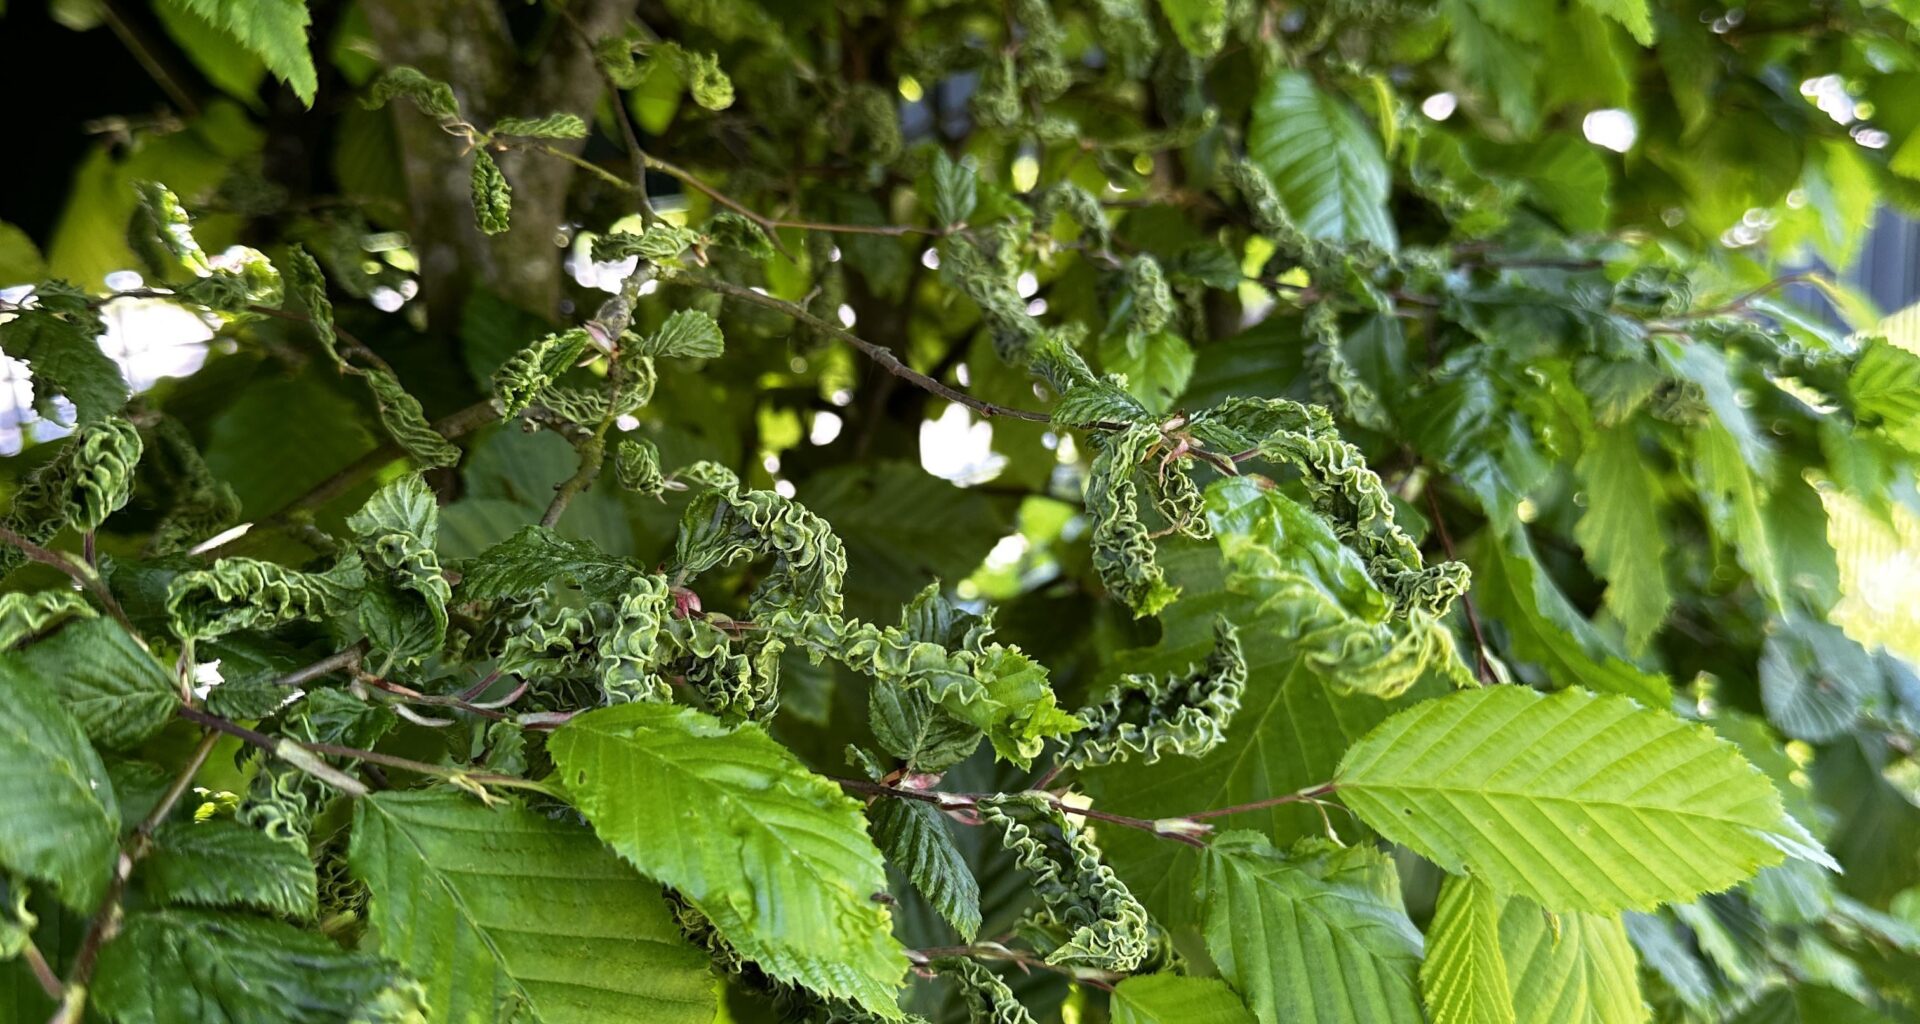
x=1526, y=797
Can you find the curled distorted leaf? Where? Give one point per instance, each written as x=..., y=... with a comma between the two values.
x=432, y=96
x=25, y=614
x=404, y=610
x=405, y=421
x=661, y=242
x=552, y=126
x=492, y=196
x=521, y=380
x=721, y=527
x=636, y=462
x=1095, y=919
x=1348, y=628
x=1148, y=716
x=88, y=480
x=162, y=228
x=58, y=337
x=245, y=593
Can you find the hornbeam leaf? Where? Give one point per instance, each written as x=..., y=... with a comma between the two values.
x=915, y=839
x=110, y=685
x=222, y=863
x=498, y=908
x=274, y=31
x=1314, y=935
x=55, y=798
x=1464, y=978
x=1569, y=968
x=1324, y=161
x=776, y=856
x=1172, y=999
x=213, y=968
x=1576, y=801
x=1621, y=535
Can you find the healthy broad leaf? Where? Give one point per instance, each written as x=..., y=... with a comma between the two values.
x=110, y=685
x=538, y=915
x=687, y=334
x=914, y=837
x=62, y=822
x=273, y=30
x=1576, y=801
x=1172, y=999
x=1885, y=385
x=1814, y=680
x=1464, y=978
x=1314, y=935
x=222, y=863
x=1576, y=968
x=1621, y=533
x=1631, y=13
x=1322, y=158
x=777, y=857
x=1513, y=588
x=170, y=966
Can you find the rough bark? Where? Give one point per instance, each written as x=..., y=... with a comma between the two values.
x=466, y=43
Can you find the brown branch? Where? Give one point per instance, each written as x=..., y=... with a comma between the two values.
x=106, y=922
x=593, y=454
x=78, y=571
x=1180, y=830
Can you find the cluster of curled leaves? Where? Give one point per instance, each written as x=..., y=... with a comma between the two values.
x=1268, y=746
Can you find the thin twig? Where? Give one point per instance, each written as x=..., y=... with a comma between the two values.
x=878, y=353
x=290, y=750
x=347, y=658
x=42, y=971
x=1175, y=829
x=593, y=454
x=78, y=571
x=106, y=922
x=1311, y=794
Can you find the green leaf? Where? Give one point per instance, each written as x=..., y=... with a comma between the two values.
x=174, y=966
x=1814, y=680
x=407, y=424
x=1322, y=158
x=504, y=908
x=62, y=349
x=108, y=682
x=688, y=334
x=1200, y=25
x=1157, y=374
x=222, y=863
x=1734, y=501
x=914, y=838
x=62, y=822
x=492, y=196
x=1572, y=968
x=777, y=857
x=25, y=614
x=1631, y=13
x=526, y=562
x=1885, y=385
x=1808, y=1004
x=954, y=189
x=1310, y=936
x=432, y=96
x=20, y=259
x=1172, y=999
x=1576, y=801
x=552, y=126
x=1621, y=534
x=1707, y=368
x=273, y=30
x=1464, y=979
x=1291, y=730
x=1545, y=628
